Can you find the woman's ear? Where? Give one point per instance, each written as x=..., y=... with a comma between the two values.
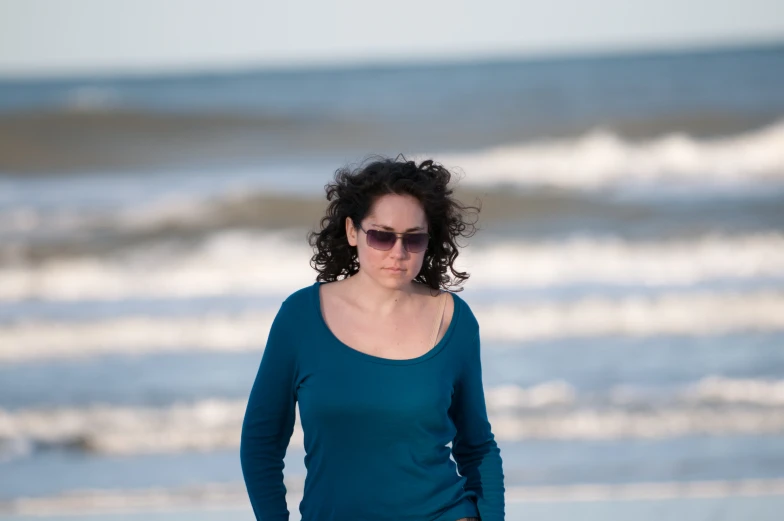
x=351, y=232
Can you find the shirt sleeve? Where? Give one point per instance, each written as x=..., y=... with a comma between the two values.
x=474, y=448
x=268, y=425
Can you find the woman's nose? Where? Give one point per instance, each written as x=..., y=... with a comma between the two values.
x=397, y=249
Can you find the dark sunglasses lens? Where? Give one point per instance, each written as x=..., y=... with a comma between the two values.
x=380, y=240
x=415, y=242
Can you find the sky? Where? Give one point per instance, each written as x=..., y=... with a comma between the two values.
x=74, y=37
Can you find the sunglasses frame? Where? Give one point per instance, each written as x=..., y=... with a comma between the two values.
x=398, y=235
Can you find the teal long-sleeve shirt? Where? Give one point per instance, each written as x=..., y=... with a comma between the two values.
x=376, y=430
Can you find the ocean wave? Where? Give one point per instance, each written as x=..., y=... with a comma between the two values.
x=655, y=424
x=243, y=263
x=646, y=491
x=91, y=98
x=717, y=389
x=692, y=314
x=548, y=411
x=548, y=394
x=708, y=391
x=31, y=340
x=688, y=314
x=166, y=210
x=614, y=261
x=234, y=495
x=601, y=159
x=26, y=220
x=202, y=426
x=227, y=263
x=95, y=501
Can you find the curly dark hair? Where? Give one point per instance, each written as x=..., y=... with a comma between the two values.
x=352, y=194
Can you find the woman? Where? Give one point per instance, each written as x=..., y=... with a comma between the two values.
x=385, y=366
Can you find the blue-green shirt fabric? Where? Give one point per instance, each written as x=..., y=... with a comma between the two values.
x=376, y=430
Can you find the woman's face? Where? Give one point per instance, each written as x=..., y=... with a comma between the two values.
x=396, y=267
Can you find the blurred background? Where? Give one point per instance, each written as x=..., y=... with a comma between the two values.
x=161, y=163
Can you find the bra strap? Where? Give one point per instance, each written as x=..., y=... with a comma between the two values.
x=440, y=319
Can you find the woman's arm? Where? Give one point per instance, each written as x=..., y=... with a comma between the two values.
x=474, y=448
x=268, y=425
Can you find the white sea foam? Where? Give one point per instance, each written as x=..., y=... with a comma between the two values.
x=708, y=391
x=90, y=98
x=226, y=263
x=693, y=314
x=587, y=424
x=601, y=159
x=610, y=260
x=203, y=426
x=510, y=397
x=688, y=314
x=549, y=411
x=243, y=263
x=183, y=210
x=92, y=502
x=31, y=340
x=719, y=389
x=230, y=496
x=646, y=491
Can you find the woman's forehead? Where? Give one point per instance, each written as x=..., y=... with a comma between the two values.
x=398, y=212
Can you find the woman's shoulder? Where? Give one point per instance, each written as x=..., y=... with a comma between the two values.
x=294, y=314
x=298, y=300
x=463, y=313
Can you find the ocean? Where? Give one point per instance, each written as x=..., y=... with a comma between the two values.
x=628, y=274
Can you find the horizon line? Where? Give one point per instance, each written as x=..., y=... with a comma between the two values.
x=423, y=60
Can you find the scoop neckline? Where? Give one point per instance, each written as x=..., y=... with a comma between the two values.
x=316, y=300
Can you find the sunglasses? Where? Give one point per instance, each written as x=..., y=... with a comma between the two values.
x=383, y=240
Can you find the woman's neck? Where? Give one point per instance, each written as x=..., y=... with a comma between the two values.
x=377, y=298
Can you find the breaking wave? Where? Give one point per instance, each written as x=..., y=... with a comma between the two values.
x=601, y=159
x=687, y=314
x=548, y=411
x=243, y=263
x=235, y=496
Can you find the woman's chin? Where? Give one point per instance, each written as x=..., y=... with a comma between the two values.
x=395, y=279
x=395, y=273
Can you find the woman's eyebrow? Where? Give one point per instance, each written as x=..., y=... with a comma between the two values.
x=416, y=228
